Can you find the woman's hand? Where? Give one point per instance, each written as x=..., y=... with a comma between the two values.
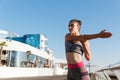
x=104, y=34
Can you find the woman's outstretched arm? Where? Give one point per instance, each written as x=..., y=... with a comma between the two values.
x=102, y=34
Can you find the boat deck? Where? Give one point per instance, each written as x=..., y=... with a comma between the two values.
x=58, y=77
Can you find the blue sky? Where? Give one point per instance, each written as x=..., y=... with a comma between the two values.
x=50, y=17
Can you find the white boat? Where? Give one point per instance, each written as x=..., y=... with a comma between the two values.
x=110, y=73
x=26, y=56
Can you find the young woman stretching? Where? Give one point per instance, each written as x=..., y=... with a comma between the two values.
x=75, y=46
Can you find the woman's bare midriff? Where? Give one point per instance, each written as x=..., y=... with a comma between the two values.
x=73, y=57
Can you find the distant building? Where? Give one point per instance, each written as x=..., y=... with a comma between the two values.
x=28, y=51
x=38, y=41
x=27, y=48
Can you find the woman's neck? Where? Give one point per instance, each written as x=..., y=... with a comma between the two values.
x=74, y=33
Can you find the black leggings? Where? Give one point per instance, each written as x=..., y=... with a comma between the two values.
x=79, y=73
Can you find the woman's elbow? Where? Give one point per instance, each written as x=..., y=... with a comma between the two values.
x=88, y=57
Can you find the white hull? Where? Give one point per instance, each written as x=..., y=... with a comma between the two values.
x=9, y=72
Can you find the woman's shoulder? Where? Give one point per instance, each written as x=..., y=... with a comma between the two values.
x=68, y=34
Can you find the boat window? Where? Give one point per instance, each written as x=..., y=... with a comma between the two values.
x=13, y=59
x=19, y=59
x=113, y=77
x=5, y=58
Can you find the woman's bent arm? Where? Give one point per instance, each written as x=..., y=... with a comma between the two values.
x=87, y=52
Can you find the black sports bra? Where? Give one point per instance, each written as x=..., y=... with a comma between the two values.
x=73, y=47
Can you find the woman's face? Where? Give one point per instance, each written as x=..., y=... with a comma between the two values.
x=74, y=27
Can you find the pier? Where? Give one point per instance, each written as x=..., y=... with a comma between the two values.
x=58, y=77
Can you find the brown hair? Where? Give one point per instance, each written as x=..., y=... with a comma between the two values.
x=75, y=20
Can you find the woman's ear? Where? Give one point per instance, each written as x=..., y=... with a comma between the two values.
x=78, y=28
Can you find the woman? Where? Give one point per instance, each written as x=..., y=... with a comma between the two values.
x=77, y=44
